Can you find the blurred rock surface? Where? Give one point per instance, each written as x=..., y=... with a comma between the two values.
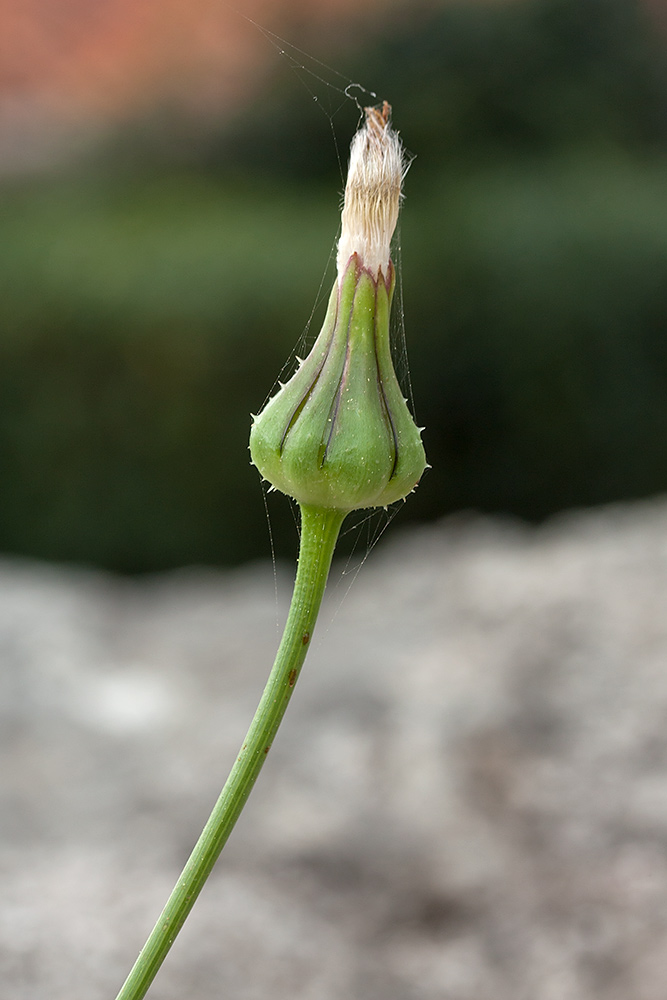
x=468, y=800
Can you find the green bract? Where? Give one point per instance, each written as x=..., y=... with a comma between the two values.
x=339, y=434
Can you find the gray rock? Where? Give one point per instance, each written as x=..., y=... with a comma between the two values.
x=467, y=800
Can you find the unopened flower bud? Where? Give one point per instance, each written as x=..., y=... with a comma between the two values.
x=339, y=434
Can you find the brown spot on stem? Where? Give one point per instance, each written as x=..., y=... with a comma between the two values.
x=266, y=749
x=292, y=677
x=305, y=638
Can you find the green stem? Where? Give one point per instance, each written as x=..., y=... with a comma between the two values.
x=319, y=533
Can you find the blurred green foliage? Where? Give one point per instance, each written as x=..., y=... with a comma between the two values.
x=147, y=308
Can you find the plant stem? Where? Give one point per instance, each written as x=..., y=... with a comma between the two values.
x=319, y=533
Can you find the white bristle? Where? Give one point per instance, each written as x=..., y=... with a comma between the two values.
x=372, y=193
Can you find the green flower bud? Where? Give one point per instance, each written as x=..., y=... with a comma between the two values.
x=339, y=434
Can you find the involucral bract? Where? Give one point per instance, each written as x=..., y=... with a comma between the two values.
x=339, y=434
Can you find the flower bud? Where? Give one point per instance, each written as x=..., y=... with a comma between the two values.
x=339, y=434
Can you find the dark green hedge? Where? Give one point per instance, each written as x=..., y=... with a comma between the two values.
x=143, y=321
x=546, y=384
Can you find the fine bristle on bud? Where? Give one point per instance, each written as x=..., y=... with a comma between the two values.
x=372, y=193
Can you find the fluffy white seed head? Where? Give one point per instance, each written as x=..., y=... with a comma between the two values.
x=372, y=193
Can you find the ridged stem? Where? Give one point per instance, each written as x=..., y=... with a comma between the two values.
x=319, y=533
